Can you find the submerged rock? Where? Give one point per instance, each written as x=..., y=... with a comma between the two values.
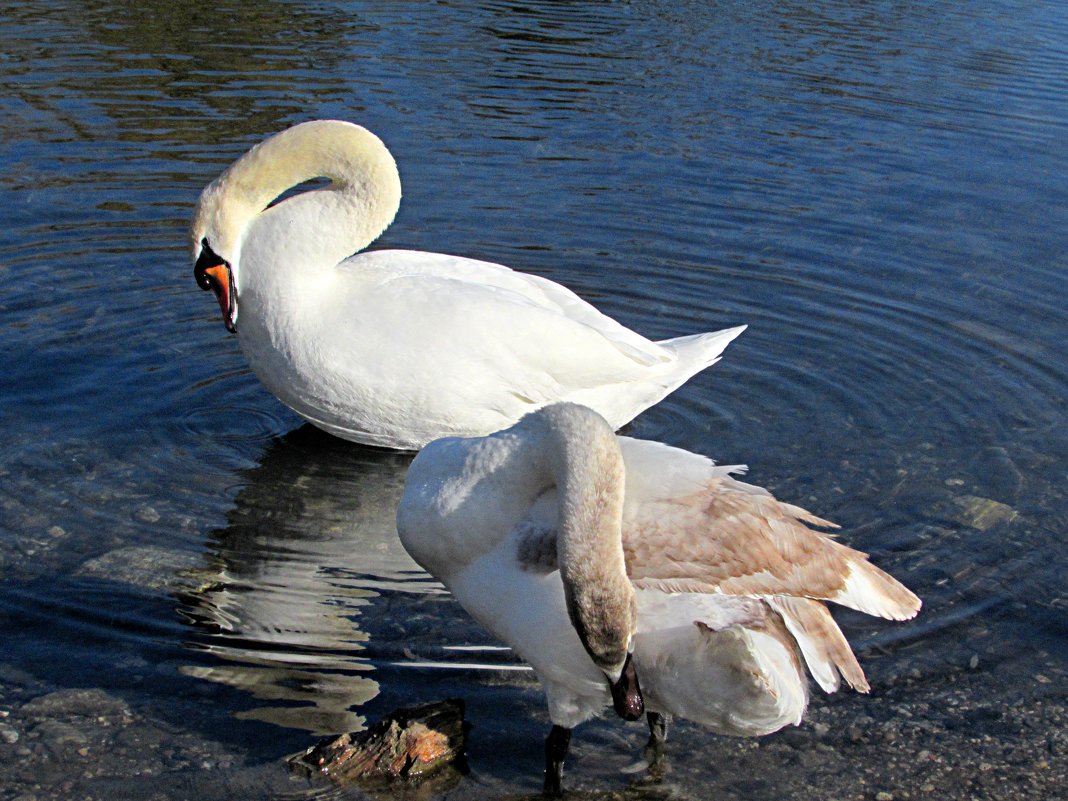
x=92, y=703
x=409, y=744
x=983, y=513
x=147, y=566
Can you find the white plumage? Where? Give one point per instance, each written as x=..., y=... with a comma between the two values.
x=395, y=348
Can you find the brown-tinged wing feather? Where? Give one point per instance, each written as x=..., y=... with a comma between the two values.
x=737, y=539
x=822, y=643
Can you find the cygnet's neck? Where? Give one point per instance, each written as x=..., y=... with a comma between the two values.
x=583, y=456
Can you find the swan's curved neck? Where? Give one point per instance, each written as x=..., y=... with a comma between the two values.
x=346, y=216
x=584, y=458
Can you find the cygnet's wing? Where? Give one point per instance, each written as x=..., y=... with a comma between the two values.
x=690, y=527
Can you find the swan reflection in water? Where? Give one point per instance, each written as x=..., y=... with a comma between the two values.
x=310, y=543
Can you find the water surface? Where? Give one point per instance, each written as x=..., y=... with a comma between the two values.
x=879, y=190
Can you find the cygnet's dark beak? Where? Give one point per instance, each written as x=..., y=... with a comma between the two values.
x=626, y=694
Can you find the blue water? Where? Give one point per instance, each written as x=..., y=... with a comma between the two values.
x=879, y=190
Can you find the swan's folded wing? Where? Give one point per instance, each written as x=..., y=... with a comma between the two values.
x=531, y=349
x=570, y=304
x=737, y=539
x=472, y=278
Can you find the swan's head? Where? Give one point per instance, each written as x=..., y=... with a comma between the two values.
x=215, y=238
x=213, y=272
x=627, y=697
x=361, y=172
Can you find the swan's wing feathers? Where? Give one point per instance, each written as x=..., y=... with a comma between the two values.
x=535, y=535
x=533, y=349
x=729, y=540
x=655, y=471
x=638, y=347
x=460, y=284
x=736, y=539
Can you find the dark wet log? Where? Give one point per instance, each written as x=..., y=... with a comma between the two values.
x=410, y=743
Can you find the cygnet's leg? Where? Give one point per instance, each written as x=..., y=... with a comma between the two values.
x=658, y=726
x=555, y=750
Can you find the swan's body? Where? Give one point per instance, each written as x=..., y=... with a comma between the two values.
x=728, y=583
x=395, y=348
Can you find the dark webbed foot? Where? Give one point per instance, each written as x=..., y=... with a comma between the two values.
x=652, y=764
x=555, y=751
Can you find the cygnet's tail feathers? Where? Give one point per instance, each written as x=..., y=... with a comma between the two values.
x=825, y=648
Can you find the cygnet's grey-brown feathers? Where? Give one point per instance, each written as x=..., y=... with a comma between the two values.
x=723, y=536
x=555, y=528
x=588, y=466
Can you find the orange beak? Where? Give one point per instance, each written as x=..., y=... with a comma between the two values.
x=212, y=272
x=222, y=285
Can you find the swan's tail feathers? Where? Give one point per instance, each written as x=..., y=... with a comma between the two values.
x=622, y=402
x=698, y=351
x=825, y=648
x=692, y=354
x=875, y=592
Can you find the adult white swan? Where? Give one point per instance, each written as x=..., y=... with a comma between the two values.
x=398, y=347
x=605, y=561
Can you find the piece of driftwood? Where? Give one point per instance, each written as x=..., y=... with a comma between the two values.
x=409, y=744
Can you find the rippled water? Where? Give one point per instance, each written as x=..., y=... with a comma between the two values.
x=879, y=190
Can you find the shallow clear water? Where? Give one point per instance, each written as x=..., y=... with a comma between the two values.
x=879, y=190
